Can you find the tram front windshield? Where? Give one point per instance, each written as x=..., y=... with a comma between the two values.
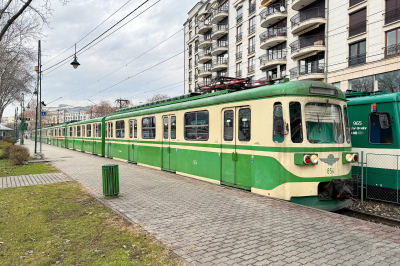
x=324, y=123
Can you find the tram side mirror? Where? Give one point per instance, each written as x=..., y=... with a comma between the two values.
x=279, y=126
x=384, y=121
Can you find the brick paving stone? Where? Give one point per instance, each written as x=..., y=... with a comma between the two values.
x=28, y=180
x=227, y=226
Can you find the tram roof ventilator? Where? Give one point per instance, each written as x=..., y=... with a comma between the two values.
x=220, y=85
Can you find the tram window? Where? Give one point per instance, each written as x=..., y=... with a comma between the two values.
x=98, y=129
x=78, y=131
x=83, y=131
x=197, y=126
x=149, y=128
x=278, y=126
x=244, y=124
x=70, y=131
x=120, y=129
x=89, y=131
x=165, y=126
x=296, y=128
x=106, y=130
x=135, y=129
x=59, y=132
x=347, y=125
x=173, y=127
x=380, y=129
x=111, y=135
x=131, y=128
x=228, y=125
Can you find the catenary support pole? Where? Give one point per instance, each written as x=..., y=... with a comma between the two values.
x=327, y=41
x=40, y=93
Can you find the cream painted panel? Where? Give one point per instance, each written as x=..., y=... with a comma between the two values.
x=288, y=190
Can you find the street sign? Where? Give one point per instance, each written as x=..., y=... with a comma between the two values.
x=43, y=113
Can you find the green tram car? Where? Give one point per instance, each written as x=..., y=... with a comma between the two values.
x=287, y=141
x=373, y=119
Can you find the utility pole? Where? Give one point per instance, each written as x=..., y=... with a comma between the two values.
x=37, y=68
x=120, y=102
x=22, y=125
x=40, y=93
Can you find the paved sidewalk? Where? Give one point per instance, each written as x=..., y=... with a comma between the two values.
x=29, y=180
x=216, y=225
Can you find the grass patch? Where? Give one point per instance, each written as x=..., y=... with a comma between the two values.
x=6, y=169
x=61, y=224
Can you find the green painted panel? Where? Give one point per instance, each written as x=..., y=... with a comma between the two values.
x=165, y=155
x=199, y=163
x=228, y=167
x=173, y=159
x=243, y=170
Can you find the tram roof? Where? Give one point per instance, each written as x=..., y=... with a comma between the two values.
x=94, y=120
x=374, y=98
x=293, y=88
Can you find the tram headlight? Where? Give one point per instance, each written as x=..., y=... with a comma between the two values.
x=307, y=159
x=314, y=159
x=349, y=158
x=355, y=157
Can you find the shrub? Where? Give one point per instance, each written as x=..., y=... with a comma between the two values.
x=5, y=147
x=18, y=155
x=9, y=140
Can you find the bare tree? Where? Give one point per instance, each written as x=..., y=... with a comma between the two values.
x=102, y=109
x=157, y=97
x=363, y=84
x=389, y=81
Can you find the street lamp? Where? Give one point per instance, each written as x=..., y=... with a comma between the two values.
x=75, y=63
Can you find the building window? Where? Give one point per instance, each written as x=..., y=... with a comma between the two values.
x=238, y=51
x=362, y=84
x=239, y=17
x=251, y=66
x=149, y=128
x=238, y=69
x=392, y=11
x=312, y=64
x=252, y=45
x=336, y=84
x=358, y=53
x=190, y=50
x=197, y=126
x=190, y=87
x=190, y=35
x=252, y=6
x=380, y=128
x=355, y=2
x=392, y=43
x=190, y=25
x=239, y=33
x=358, y=22
x=252, y=25
x=196, y=30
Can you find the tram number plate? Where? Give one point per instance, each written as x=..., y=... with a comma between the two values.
x=331, y=171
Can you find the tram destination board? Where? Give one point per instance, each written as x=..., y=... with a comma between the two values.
x=323, y=91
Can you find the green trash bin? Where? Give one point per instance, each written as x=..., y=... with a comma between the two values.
x=110, y=180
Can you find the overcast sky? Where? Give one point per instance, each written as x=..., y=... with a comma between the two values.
x=72, y=22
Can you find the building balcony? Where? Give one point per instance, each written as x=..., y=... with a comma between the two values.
x=272, y=37
x=219, y=48
x=220, y=14
x=392, y=50
x=239, y=37
x=204, y=56
x=267, y=61
x=219, y=31
x=220, y=74
x=392, y=16
x=205, y=71
x=356, y=60
x=239, y=55
x=307, y=19
x=313, y=71
x=204, y=27
x=239, y=18
x=309, y=44
x=252, y=29
x=251, y=49
x=272, y=14
x=205, y=41
x=299, y=4
x=219, y=64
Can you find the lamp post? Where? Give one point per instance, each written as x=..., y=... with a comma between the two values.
x=75, y=63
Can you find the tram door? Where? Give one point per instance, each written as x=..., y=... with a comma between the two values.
x=235, y=163
x=169, y=138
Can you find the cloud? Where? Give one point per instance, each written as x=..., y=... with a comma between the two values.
x=72, y=22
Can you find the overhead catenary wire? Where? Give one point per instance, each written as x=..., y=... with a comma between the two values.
x=89, y=32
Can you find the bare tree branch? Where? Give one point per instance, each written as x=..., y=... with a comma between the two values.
x=13, y=18
x=5, y=8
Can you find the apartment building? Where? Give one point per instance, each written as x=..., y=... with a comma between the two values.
x=352, y=44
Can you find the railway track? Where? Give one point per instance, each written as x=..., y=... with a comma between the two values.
x=371, y=217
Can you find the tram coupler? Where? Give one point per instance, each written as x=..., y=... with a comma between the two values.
x=339, y=189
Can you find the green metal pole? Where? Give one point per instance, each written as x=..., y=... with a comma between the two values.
x=22, y=120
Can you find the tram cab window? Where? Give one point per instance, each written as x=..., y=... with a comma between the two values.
x=380, y=128
x=278, y=126
x=173, y=127
x=88, y=131
x=324, y=123
x=197, y=126
x=78, y=131
x=149, y=128
x=135, y=129
x=228, y=125
x=98, y=130
x=165, y=127
x=120, y=129
x=296, y=126
x=244, y=124
x=346, y=124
